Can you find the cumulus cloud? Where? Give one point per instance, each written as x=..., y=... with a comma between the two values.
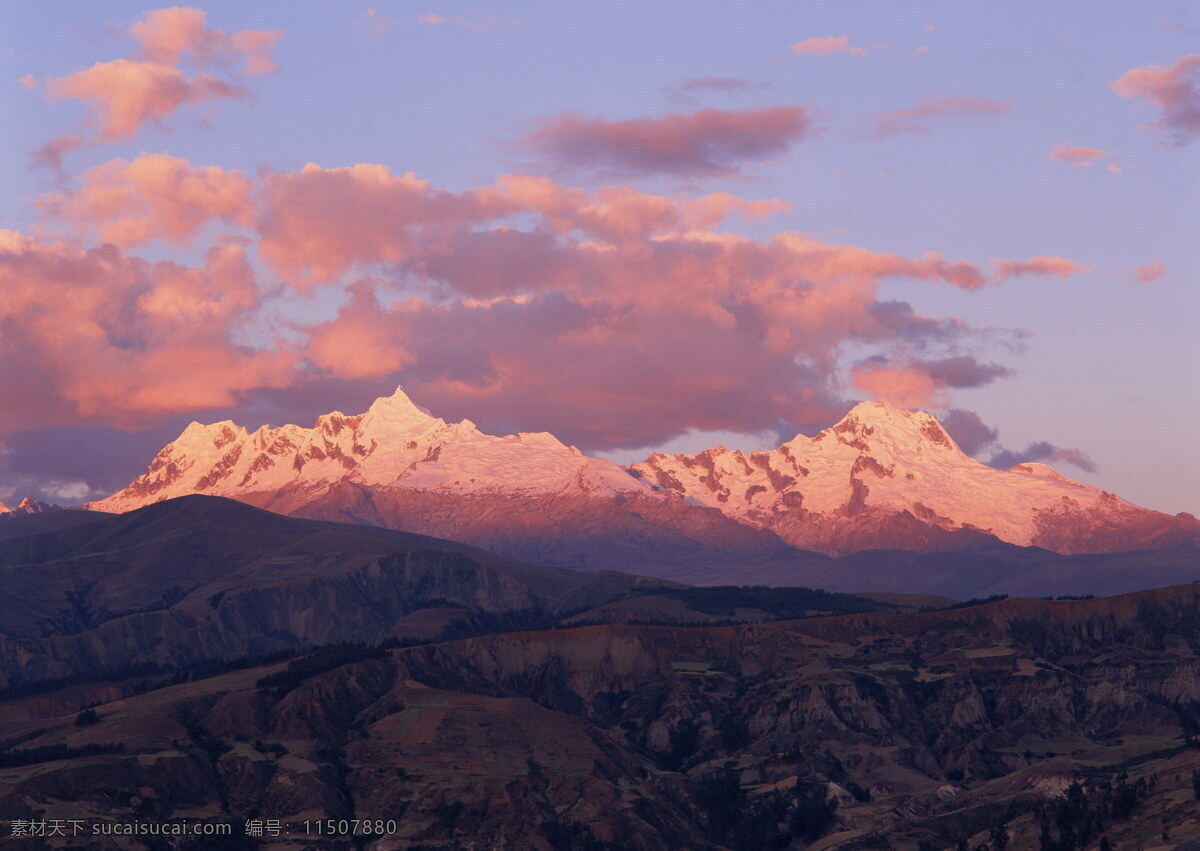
x=1174, y=90
x=1148, y=273
x=611, y=316
x=154, y=196
x=318, y=222
x=1081, y=156
x=707, y=142
x=825, y=45
x=921, y=118
x=100, y=337
x=901, y=386
x=125, y=94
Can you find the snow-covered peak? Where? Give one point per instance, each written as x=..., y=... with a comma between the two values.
x=199, y=438
x=870, y=425
x=876, y=457
x=397, y=415
x=28, y=505
x=394, y=444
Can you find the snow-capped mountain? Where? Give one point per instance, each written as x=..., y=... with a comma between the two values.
x=395, y=444
x=28, y=505
x=884, y=477
x=880, y=478
x=526, y=495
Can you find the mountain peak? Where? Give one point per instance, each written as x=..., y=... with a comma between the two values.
x=914, y=428
x=28, y=505
x=397, y=413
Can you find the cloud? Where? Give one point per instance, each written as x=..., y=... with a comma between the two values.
x=50, y=155
x=915, y=383
x=1114, y=168
x=100, y=337
x=963, y=371
x=477, y=24
x=29, y=82
x=1043, y=451
x=154, y=196
x=1081, y=156
x=360, y=343
x=928, y=111
x=317, y=222
x=167, y=35
x=1148, y=273
x=1180, y=27
x=611, y=316
x=687, y=91
x=970, y=432
x=903, y=387
x=704, y=143
x=974, y=437
x=1037, y=267
x=825, y=45
x=1175, y=90
x=125, y=94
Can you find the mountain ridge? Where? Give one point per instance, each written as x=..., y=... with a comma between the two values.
x=880, y=478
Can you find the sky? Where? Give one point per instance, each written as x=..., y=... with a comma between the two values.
x=637, y=226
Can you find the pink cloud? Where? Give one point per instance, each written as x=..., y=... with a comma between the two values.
x=919, y=118
x=359, y=343
x=708, y=142
x=317, y=222
x=167, y=35
x=827, y=44
x=1174, y=90
x=477, y=24
x=1037, y=267
x=28, y=81
x=1082, y=156
x=154, y=196
x=1148, y=273
x=611, y=316
x=100, y=337
x=901, y=386
x=125, y=94
x=50, y=155
x=1115, y=169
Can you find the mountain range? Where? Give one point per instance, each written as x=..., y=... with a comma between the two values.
x=881, y=478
